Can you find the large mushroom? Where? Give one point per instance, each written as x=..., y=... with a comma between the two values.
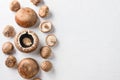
x=28, y=68
x=26, y=41
x=26, y=17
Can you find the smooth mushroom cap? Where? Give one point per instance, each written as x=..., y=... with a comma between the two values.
x=26, y=17
x=28, y=68
x=45, y=52
x=7, y=47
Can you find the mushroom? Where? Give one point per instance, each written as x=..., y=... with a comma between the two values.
x=35, y=2
x=9, y=31
x=14, y=5
x=7, y=47
x=26, y=17
x=51, y=40
x=44, y=11
x=26, y=41
x=45, y=52
x=45, y=26
x=10, y=61
x=28, y=68
x=46, y=66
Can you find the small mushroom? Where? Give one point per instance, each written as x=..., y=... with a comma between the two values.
x=44, y=10
x=45, y=26
x=14, y=5
x=28, y=68
x=10, y=61
x=36, y=79
x=46, y=66
x=51, y=40
x=9, y=31
x=45, y=52
x=35, y=2
x=26, y=41
x=26, y=17
x=7, y=47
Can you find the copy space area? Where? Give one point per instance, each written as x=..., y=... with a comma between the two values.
x=88, y=33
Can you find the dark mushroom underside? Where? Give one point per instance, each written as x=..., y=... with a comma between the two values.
x=26, y=35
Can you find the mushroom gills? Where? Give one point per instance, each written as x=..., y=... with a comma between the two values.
x=26, y=40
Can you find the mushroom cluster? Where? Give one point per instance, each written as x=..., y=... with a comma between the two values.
x=28, y=41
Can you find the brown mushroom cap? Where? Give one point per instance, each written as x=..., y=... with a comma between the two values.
x=28, y=68
x=10, y=61
x=45, y=26
x=15, y=5
x=51, y=40
x=35, y=2
x=26, y=41
x=45, y=52
x=9, y=31
x=7, y=47
x=26, y=17
x=46, y=66
x=43, y=11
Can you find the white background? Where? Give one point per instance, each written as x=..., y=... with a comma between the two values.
x=88, y=33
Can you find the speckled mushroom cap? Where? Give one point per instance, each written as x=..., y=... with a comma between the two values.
x=26, y=34
x=26, y=17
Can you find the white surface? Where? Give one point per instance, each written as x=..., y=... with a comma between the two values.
x=89, y=40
